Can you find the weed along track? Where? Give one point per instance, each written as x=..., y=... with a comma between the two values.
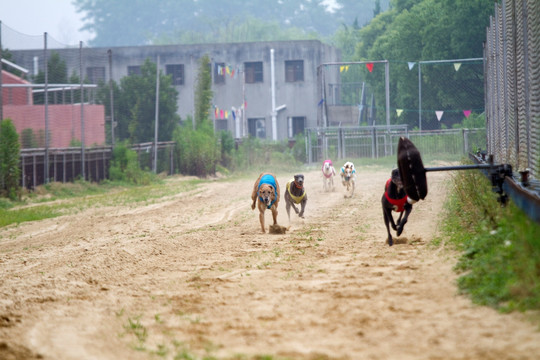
x=192, y=275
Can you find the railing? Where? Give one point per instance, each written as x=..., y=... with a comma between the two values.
x=65, y=164
x=380, y=141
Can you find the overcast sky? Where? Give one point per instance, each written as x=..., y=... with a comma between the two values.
x=34, y=17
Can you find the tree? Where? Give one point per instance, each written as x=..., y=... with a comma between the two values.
x=197, y=146
x=135, y=100
x=203, y=92
x=427, y=30
x=9, y=159
x=142, y=21
x=56, y=74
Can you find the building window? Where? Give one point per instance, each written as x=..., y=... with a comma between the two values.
x=219, y=73
x=297, y=124
x=177, y=73
x=257, y=127
x=294, y=70
x=134, y=70
x=253, y=72
x=95, y=74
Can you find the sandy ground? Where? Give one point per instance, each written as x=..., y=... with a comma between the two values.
x=192, y=275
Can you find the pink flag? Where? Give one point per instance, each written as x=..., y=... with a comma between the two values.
x=466, y=113
x=221, y=114
x=369, y=66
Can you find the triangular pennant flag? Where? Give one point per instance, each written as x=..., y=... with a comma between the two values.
x=233, y=111
x=457, y=66
x=411, y=65
x=320, y=102
x=341, y=68
x=369, y=66
x=466, y=113
x=216, y=112
x=221, y=114
x=399, y=111
x=226, y=114
x=346, y=67
x=439, y=114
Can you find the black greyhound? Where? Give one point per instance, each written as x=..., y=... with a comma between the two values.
x=395, y=199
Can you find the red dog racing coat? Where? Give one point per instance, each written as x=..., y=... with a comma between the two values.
x=399, y=203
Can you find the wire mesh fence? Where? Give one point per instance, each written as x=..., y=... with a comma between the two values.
x=346, y=143
x=512, y=67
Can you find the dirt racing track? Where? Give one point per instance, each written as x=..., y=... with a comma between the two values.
x=192, y=274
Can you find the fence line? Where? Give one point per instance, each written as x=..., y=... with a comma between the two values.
x=341, y=143
x=512, y=68
x=65, y=164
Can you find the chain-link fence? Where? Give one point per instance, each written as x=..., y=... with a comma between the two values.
x=512, y=61
x=347, y=143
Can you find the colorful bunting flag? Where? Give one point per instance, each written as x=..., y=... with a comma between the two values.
x=439, y=114
x=369, y=67
x=411, y=65
x=399, y=111
x=457, y=66
x=466, y=113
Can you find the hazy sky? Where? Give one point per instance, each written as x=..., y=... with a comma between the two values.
x=34, y=17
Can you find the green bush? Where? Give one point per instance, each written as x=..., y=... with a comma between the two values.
x=196, y=150
x=500, y=261
x=10, y=172
x=125, y=166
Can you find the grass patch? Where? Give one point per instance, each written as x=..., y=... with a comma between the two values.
x=500, y=246
x=57, y=199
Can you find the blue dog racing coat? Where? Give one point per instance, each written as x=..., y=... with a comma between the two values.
x=270, y=180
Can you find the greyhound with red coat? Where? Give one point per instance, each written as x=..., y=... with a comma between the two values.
x=395, y=199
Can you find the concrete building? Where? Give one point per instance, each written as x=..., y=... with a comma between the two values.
x=242, y=73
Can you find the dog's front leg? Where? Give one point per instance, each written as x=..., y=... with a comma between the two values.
x=261, y=219
x=288, y=208
x=402, y=222
x=303, y=206
x=274, y=214
x=387, y=214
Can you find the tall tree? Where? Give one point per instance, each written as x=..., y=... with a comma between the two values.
x=197, y=146
x=135, y=102
x=427, y=30
x=203, y=92
x=137, y=22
